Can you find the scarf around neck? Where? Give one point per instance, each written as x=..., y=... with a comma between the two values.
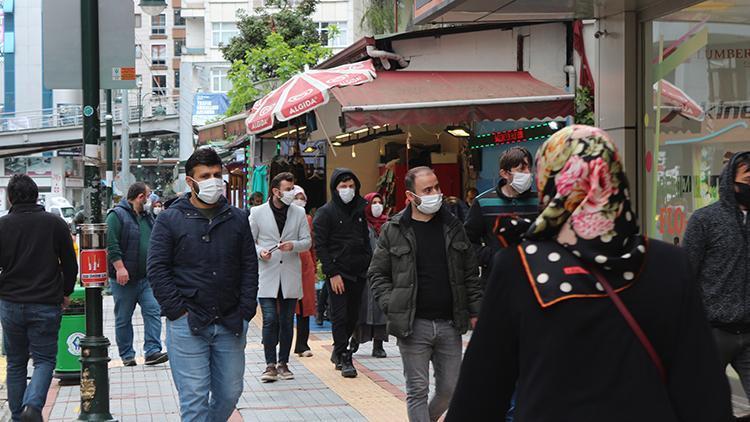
x=586, y=219
x=375, y=222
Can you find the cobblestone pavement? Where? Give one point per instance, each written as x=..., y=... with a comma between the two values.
x=318, y=393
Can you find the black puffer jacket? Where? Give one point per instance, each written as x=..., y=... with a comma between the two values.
x=342, y=240
x=717, y=242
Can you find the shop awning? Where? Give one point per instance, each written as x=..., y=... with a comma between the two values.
x=438, y=98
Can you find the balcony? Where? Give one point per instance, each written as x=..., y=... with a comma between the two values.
x=193, y=51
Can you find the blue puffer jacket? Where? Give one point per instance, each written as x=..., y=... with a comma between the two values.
x=207, y=268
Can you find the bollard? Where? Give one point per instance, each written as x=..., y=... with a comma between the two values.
x=94, y=347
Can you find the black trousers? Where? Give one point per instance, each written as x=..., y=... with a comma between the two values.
x=345, y=312
x=323, y=300
x=303, y=331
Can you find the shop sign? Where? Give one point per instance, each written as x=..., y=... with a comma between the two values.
x=672, y=220
x=523, y=134
x=93, y=267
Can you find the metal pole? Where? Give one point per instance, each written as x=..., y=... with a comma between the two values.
x=125, y=176
x=94, y=347
x=140, y=138
x=110, y=159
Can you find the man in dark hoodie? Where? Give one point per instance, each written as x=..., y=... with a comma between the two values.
x=499, y=216
x=718, y=242
x=342, y=244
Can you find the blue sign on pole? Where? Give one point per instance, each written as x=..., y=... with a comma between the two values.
x=208, y=106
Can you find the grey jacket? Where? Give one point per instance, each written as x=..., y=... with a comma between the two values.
x=393, y=273
x=716, y=240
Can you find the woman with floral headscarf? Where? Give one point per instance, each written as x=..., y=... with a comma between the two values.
x=587, y=320
x=306, y=305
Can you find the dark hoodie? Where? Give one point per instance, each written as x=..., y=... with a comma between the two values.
x=342, y=240
x=717, y=241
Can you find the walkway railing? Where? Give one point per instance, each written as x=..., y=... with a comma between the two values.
x=67, y=115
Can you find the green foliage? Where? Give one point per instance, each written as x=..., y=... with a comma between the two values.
x=274, y=59
x=380, y=16
x=584, y=103
x=293, y=23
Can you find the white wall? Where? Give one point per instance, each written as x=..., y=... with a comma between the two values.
x=28, y=55
x=495, y=50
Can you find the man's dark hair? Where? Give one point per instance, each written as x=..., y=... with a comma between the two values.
x=136, y=189
x=285, y=177
x=412, y=174
x=256, y=195
x=345, y=178
x=205, y=156
x=742, y=160
x=476, y=192
x=22, y=190
x=515, y=157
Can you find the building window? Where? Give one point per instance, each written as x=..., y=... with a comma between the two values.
x=178, y=19
x=223, y=33
x=219, y=80
x=159, y=24
x=176, y=78
x=138, y=51
x=158, y=55
x=159, y=84
x=138, y=22
x=179, y=44
x=331, y=40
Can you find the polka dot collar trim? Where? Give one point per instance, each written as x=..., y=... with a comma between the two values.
x=558, y=273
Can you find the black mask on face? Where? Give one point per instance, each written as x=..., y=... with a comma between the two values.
x=742, y=194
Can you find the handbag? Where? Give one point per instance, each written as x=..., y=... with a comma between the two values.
x=634, y=326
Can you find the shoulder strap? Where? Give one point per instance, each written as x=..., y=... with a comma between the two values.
x=632, y=323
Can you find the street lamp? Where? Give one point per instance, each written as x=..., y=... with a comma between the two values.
x=153, y=7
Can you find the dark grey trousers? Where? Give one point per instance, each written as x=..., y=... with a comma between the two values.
x=437, y=342
x=734, y=349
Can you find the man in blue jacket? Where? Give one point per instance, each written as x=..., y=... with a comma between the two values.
x=203, y=268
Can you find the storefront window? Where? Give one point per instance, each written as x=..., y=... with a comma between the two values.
x=697, y=109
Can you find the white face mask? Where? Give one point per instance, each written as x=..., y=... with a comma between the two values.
x=158, y=210
x=430, y=204
x=209, y=191
x=521, y=182
x=287, y=197
x=300, y=203
x=377, y=210
x=346, y=194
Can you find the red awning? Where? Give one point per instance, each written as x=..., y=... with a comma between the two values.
x=437, y=98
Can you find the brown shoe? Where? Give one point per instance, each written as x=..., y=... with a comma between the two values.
x=284, y=372
x=270, y=374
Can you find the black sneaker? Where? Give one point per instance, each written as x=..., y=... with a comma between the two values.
x=129, y=362
x=336, y=360
x=31, y=414
x=379, y=352
x=319, y=319
x=347, y=367
x=156, y=358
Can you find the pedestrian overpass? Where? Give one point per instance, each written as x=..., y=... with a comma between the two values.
x=25, y=133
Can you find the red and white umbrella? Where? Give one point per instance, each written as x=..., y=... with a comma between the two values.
x=305, y=92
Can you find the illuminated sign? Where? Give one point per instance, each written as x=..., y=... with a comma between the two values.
x=512, y=136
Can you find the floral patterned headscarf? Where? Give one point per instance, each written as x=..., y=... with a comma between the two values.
x=585, y=207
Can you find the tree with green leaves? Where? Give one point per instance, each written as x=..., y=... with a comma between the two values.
x=273, y=45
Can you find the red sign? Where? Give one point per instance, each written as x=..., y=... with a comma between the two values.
x=93, y=267
x=672, y=220
x=509, y=136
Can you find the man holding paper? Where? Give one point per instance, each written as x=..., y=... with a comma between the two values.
x=281, y=232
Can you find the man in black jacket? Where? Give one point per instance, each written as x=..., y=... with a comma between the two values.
x=38, y=271
x=717, y=240
x=342, y=244
x=203, y=268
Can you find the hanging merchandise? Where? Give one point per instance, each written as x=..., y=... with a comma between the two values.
x=260, y=180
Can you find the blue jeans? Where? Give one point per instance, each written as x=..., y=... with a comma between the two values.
x=208, y=368
x=125, y=299
x=278, y=327
x=29, y=329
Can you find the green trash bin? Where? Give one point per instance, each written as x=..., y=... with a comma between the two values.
x=72, y=331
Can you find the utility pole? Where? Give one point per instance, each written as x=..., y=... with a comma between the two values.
x=110, y=165
x=125, y=176
x=94, y=347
